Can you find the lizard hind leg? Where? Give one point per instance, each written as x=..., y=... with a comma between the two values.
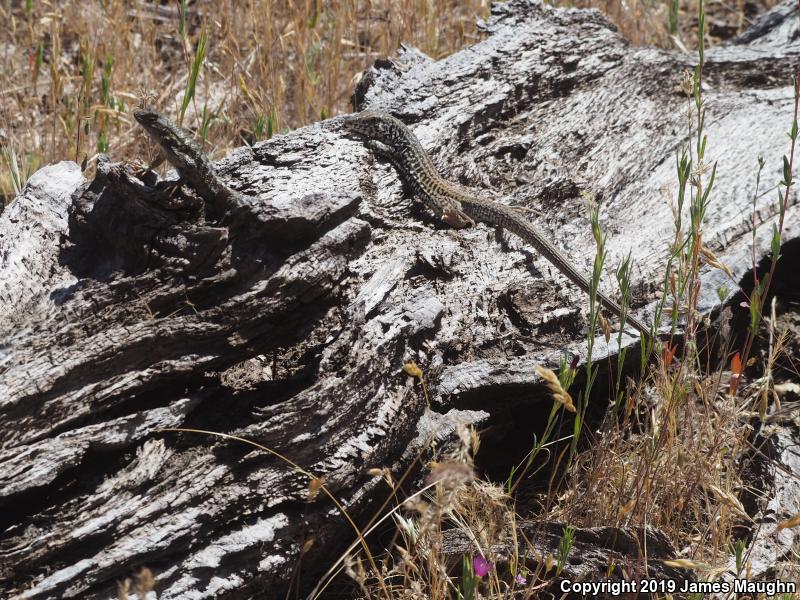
x=456, y=218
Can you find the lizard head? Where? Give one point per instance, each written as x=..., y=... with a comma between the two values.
x=374, y=125
x=146, y=117
x=163, y=131
x=157, y=126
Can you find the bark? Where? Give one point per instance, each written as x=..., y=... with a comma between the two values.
x=128, y=309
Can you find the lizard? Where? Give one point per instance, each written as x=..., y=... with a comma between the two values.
x=389, y=137
x=455, y=205
x=189, y=160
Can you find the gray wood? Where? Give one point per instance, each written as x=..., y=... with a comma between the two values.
x=123, y=313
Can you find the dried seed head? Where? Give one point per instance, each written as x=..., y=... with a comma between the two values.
x=144, y=582
x=604, y=327
x=412, y=370
x=713, y=261
x=314, y=487
x=554, y=385
x=789, y=523
x=450, y=474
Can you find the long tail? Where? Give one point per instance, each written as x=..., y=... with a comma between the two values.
x=507, y=218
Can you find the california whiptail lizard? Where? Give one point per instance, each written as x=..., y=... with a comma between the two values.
x=454, y=205
x=189, y=160
x=391, y=138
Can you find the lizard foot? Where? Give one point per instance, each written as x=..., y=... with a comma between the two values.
x=379, y=148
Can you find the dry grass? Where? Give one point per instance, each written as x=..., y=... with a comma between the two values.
x=672, y=459
x=680, y=473
x=72, y=69
x=671, y=24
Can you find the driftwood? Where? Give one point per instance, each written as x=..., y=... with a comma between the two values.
x=124, y=312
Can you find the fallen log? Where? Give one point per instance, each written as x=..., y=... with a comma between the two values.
x=125, y=313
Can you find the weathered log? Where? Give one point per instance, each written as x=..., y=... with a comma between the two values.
x=125, y=312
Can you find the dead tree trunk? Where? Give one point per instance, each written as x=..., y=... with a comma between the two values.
x=124, y=312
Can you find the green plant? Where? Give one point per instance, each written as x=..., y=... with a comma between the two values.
x=564, y=548
x=738, y=548
x=594, y=314
x=761, y=286
x=194, y=73
x=205, y=123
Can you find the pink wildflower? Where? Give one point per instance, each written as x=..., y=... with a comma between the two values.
x=481, y=566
